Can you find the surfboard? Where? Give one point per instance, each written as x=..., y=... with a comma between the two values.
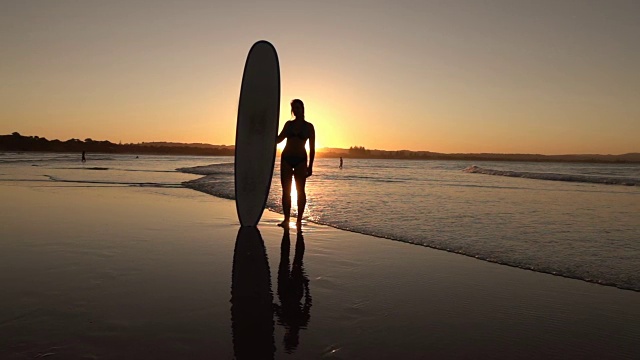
x=256, y=132
x=252, y=322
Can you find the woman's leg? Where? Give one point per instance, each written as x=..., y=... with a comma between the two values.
x=300, y=173
x=286, y=173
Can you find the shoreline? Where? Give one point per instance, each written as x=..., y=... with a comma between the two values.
x=127, y=272
x=613, y=285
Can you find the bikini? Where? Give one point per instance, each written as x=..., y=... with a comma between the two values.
x=295, y=160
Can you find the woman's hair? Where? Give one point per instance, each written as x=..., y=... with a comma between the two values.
x=297, y=102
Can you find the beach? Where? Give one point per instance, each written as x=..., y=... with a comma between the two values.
x=121, y=272
x=464, y=174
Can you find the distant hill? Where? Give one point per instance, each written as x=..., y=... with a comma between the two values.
x=191, y=145
x=361, y=152
x=334, y=150
x=17, y=142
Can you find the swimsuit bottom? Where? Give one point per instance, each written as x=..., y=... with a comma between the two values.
x=294, y=160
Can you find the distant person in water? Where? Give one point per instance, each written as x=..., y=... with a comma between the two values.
x=84, y=159
x=340, y=162
x=293, y=161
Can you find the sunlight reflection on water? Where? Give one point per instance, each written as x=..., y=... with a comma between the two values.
x=581, y=230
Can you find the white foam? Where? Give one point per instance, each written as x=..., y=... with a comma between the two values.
x=609, y=180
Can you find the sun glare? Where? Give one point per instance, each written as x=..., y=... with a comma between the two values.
x=294, y=196
x=281, y=146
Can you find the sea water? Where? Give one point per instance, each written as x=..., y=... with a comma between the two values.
x=570, y=219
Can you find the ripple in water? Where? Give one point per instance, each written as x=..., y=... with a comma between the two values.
x=577, y=229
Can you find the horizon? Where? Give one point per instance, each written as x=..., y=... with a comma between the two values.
x=321, y=149
x=549, y=78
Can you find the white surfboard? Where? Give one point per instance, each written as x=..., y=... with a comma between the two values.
x=256, y=131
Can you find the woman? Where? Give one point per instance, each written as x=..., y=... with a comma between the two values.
x=293, y=161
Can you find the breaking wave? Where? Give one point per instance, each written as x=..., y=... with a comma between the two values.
x=592, y=179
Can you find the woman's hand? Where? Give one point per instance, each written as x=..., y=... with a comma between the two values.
x=309, y=171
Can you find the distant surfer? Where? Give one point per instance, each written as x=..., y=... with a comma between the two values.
x=340, y=162
x=293, y=161
x=84, y=159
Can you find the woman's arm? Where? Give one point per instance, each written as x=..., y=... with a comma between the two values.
x=282, y=135
x=312, y=149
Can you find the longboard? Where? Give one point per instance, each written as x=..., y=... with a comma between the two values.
x=252, y=322
x=256, y=131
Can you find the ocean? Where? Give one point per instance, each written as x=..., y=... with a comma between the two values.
x=575, y=220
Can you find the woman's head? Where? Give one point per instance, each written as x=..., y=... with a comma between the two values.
x=297, y=108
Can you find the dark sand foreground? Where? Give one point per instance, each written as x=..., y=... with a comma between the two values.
x=146, y=273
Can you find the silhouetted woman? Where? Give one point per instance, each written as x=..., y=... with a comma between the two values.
x=293, y=162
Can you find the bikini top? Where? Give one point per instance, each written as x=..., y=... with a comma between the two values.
x=302, y=134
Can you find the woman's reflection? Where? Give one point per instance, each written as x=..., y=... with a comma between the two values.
x=293, y=286
x=251, y=298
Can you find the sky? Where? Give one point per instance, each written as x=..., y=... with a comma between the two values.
x=545, y=76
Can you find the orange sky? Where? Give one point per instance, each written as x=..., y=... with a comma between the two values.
x=467, y=76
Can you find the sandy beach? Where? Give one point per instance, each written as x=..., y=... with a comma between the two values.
x=466, y=172
x=131, y=273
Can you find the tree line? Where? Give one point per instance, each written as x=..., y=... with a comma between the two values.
x=17, y=142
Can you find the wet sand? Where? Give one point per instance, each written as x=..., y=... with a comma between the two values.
x=148, y=273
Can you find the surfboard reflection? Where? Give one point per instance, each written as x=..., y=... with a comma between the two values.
x=251, y=298
x=294, y=310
